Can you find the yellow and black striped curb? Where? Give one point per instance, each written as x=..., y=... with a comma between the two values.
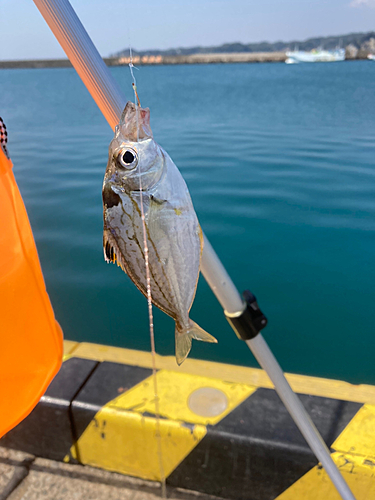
x=224, y=430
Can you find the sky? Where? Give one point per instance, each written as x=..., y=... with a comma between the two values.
x=162, y=24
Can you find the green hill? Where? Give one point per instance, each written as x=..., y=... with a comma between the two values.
x=327, y=42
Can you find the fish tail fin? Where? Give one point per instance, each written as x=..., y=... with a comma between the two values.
x=184, y=339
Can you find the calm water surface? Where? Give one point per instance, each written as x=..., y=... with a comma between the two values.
x=279, y=160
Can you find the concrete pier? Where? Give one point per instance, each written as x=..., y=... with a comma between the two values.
x=25, y=477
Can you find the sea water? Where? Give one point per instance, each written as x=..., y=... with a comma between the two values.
x=279, y=160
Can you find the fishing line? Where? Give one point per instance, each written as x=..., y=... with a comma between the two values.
x=131, y=66
x=149, y=297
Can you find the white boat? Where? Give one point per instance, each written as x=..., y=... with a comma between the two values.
x=371, y=57
x=316, y=55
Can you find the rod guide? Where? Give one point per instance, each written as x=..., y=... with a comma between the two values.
x=248, y=323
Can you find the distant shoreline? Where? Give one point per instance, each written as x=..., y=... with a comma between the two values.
x=160, y=60
x=250, y=57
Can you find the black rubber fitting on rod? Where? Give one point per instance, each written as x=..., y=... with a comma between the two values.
x=251, y=321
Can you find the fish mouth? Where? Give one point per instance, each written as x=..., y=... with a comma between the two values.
x=135, y=123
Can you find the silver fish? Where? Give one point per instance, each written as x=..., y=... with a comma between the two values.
x=174, y=236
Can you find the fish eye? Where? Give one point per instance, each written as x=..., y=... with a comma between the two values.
x=127, y=158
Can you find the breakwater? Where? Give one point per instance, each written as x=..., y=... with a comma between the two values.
x=240, y=57
x=159, y=60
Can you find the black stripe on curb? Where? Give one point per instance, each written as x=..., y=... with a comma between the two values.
x=256, y=452
x=47, y=431
x=108, y=382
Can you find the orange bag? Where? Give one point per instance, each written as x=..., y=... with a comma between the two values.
x=31, y=341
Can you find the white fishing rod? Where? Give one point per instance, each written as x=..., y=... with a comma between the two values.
x=244, y=316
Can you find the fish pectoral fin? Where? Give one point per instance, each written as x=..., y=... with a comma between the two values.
x=157, y=201
x=184, y=339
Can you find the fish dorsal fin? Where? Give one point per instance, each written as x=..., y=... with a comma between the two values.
x=201, y=238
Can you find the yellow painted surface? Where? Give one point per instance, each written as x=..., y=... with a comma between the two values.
x=69, y=346
x=126, y=442
x=316, y=485
x=314, y=386
x=358, y=437
x=174, y=390
x=121, y=439
x=355, y=457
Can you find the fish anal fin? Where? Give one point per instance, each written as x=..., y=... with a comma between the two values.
x=184, y=339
